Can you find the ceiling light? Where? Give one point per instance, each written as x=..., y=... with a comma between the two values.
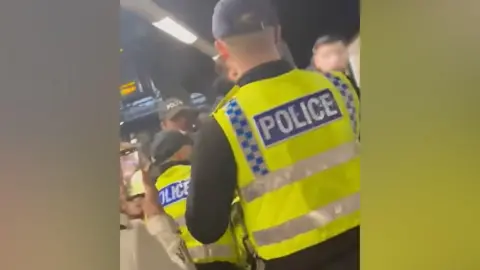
x=174, y=29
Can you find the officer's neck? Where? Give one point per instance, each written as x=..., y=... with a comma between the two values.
x=169, y=164
x=256, y=60
x=266, y=70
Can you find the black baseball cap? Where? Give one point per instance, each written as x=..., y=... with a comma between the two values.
x=239, y=17
x=166, y=143
x=171, y=108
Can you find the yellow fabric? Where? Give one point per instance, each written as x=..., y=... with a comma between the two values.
x=175, y=205
x=226, y=98
x=136, y=184
x=301, y=197
x=239, y=230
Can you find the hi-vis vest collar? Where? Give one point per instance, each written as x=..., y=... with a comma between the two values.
x=264, y=71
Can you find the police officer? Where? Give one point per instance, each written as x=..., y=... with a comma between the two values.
x=330, y=53
x=159, y=224
x=176, y=115
x=171, y=150
x=285, y=140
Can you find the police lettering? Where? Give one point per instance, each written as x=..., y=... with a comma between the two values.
x=298, y=116
x=173, y=192
x=174, y=103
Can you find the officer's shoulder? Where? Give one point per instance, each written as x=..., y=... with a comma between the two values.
x=221, y=106
x=313, y=72
x=346, y=79
x=308, y=71
x=342, y=77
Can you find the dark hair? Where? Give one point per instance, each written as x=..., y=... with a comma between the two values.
x=328, y=39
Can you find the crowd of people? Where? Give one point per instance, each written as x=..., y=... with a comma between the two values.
x=269, y=179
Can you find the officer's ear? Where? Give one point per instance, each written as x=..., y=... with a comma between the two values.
x=222, y=49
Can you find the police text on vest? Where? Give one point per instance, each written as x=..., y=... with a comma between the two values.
x=173, y=193
x=296, y=117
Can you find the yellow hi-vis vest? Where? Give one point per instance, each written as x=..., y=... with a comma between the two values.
x=297, y=158
x=173, y=190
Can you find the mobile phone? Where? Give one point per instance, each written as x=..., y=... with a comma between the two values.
x=129, y=162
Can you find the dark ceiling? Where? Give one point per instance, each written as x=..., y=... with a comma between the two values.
x=177, y=68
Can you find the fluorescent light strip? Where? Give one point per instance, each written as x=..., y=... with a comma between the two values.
x=174, y=29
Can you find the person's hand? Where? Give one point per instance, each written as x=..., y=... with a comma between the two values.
x=130, y=208
x=150, y=205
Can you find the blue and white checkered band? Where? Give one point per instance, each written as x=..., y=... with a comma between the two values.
x=347, y=97
x=297, y=116
x=245, y=137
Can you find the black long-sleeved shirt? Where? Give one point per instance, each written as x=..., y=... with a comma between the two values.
x=214, y=170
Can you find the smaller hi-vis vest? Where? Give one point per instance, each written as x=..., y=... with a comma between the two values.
x=294, y=138
x=173, y=190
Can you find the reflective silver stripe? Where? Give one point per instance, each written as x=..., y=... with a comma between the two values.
x=211, y=251
x=181, y=221
x=308, y=222
x=300, y=170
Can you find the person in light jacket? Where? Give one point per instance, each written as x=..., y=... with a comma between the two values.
x=160, y=225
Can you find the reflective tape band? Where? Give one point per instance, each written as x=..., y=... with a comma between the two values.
x=299, y=171
x=211, y=251
x=308, y=222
